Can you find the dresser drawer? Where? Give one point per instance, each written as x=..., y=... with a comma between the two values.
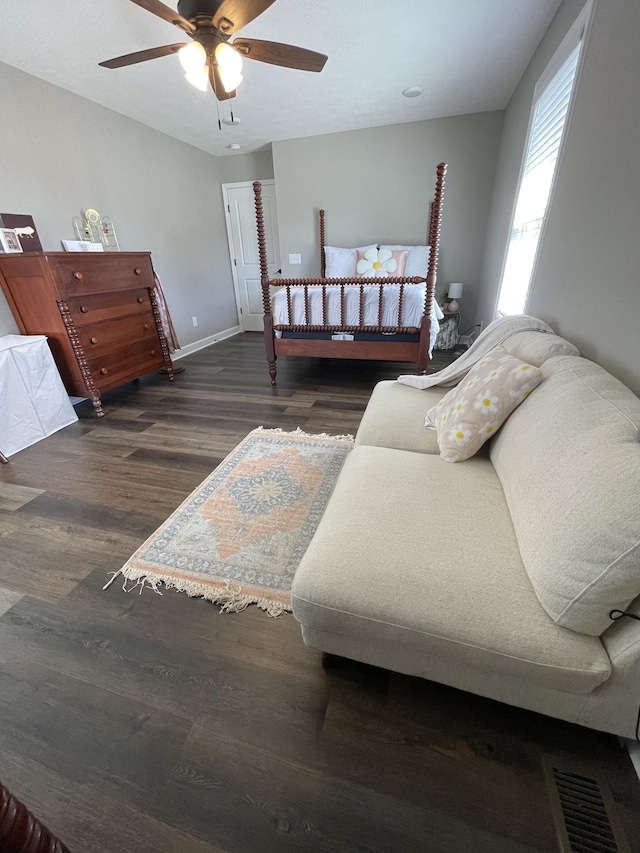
x=98, y=307
x=127, y=362
x=103, y=337
x=82, y=273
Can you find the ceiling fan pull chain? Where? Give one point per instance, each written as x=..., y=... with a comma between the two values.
x=218, y=110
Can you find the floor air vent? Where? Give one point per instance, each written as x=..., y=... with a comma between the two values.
x=584, y=811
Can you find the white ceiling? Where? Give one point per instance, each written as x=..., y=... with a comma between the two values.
x=467, y=55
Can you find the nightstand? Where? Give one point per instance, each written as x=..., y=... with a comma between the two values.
x=449, y=332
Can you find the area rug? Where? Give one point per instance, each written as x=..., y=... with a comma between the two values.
x=239, y=537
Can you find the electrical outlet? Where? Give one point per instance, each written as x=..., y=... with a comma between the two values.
x=195, y=321
x=295, y=259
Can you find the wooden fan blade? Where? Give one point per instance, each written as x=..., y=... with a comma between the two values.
x=280, y=54
x=167, y=14
x=232, y=15
x=216, y=84
x=141, y=56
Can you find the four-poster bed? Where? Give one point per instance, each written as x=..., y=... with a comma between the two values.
x=387, y=319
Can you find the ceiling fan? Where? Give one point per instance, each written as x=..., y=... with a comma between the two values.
x=211, y=57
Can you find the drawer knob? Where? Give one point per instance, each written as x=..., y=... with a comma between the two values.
x=94, y=340
x=153, y=352
x=138, y=271
x=84, y=309
x=78, y=276
x=141, y=299
x=103, y=371
x=146, y=326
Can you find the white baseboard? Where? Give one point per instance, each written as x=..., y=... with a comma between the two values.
x=205, y=342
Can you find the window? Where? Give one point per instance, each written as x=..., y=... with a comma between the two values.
x=552, y=98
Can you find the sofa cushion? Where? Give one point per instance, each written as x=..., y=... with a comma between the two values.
x=569, y=464
x=536, y=347
x=380, y=568
x=473, y=411
x=395, y=415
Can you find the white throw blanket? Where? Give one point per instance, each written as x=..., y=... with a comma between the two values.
x=495, y=334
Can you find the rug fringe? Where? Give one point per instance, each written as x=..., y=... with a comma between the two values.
x=114, y=575
x=347, y=439
x=231, y=599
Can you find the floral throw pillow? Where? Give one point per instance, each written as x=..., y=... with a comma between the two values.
x=380, y=263
x=475, y=409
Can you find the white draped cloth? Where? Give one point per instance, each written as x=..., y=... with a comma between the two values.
x=33, y=400
x=494, y=335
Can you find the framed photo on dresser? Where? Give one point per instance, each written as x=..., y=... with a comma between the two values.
x=9, y=241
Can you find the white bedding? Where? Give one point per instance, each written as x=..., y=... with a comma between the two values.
x=413, y=305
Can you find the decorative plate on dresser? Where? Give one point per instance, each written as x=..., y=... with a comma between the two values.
x=99, y=312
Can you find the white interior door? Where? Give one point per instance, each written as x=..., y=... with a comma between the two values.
x=243, y=245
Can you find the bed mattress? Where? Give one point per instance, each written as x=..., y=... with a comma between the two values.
x=412, y=307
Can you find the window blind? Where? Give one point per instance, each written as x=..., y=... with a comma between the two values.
x=549, y=114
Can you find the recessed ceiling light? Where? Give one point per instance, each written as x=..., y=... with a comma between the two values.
x=230, y=120
x=234, y=146
x=412, y=92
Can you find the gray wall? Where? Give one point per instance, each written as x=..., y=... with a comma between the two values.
x=67, y=154
x=245, y=167
x=376, y=185
x=587, y=281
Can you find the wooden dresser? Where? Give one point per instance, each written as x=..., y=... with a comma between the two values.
x=98, y=310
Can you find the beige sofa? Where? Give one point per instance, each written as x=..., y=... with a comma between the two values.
x=496, y=575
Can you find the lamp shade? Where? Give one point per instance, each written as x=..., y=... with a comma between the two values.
x=455, y=290
x=192, y=57
x=199, y=78
x=229, y=64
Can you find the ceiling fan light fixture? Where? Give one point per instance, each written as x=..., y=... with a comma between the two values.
x=199, y=78
x=229, y=64
x=193, y=57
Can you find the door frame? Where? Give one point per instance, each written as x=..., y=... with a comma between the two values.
x=227, y=218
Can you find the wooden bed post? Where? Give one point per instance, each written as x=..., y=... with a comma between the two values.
x=21, y=831
x=435, y=224
x=323, y=262
x=264, y=282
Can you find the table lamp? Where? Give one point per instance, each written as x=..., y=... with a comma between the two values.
x=454, y=293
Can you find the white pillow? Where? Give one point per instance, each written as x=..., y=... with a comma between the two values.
x=341, y=263
x=417, y=259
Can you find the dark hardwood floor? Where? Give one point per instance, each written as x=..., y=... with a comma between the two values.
x=155, y=724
